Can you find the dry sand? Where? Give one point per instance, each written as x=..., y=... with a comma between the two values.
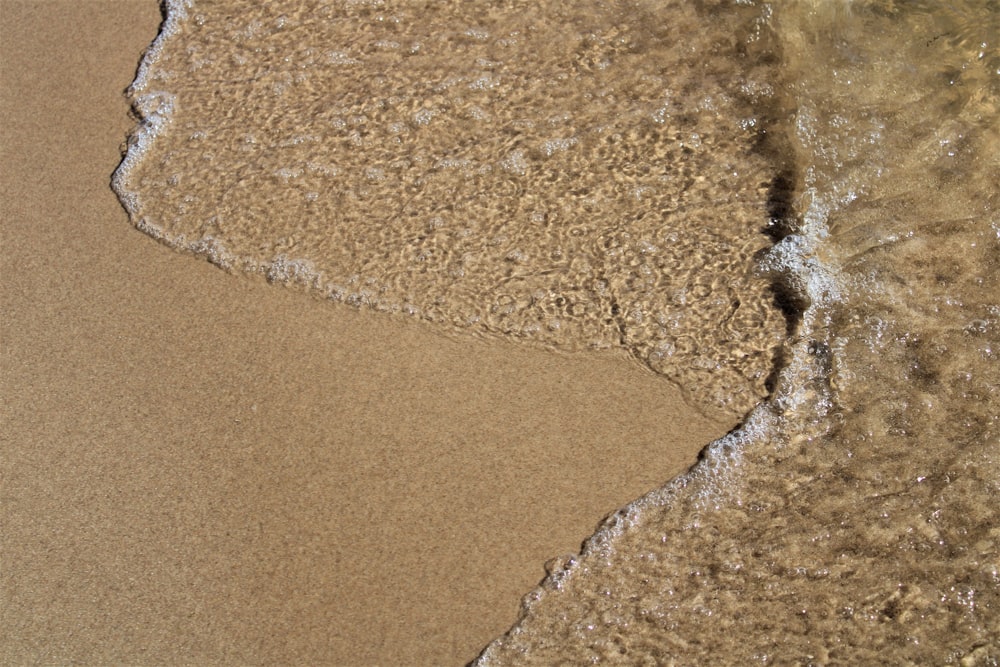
x=199, y=467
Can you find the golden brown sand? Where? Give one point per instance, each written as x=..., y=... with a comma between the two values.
x=198, y=467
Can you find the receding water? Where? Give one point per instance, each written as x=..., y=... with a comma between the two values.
x=578, y=176
x=789, y=206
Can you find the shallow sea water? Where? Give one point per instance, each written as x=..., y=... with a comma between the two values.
x=791, y=210
x=558, y=173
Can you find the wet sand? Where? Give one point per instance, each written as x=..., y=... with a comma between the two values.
x=200, y=467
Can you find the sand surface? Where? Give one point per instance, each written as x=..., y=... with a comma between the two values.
x=199, y=467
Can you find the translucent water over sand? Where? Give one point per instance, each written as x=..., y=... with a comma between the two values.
x=589, y=177
x=853, y=520
x=579, y=176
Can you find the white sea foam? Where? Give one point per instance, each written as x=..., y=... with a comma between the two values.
x=154, y=109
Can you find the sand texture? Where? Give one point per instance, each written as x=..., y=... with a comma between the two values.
x=203, y=468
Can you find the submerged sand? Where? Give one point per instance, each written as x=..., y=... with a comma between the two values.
x=199, y=467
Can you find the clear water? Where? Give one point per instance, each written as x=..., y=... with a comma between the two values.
x=789, y=209
x=557, y=173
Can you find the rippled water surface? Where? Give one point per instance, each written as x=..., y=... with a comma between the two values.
x=574, y=175
x=789, y=206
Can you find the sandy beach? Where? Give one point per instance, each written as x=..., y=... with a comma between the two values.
x=199, y=467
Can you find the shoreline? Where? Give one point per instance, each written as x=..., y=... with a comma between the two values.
x=201, y=467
